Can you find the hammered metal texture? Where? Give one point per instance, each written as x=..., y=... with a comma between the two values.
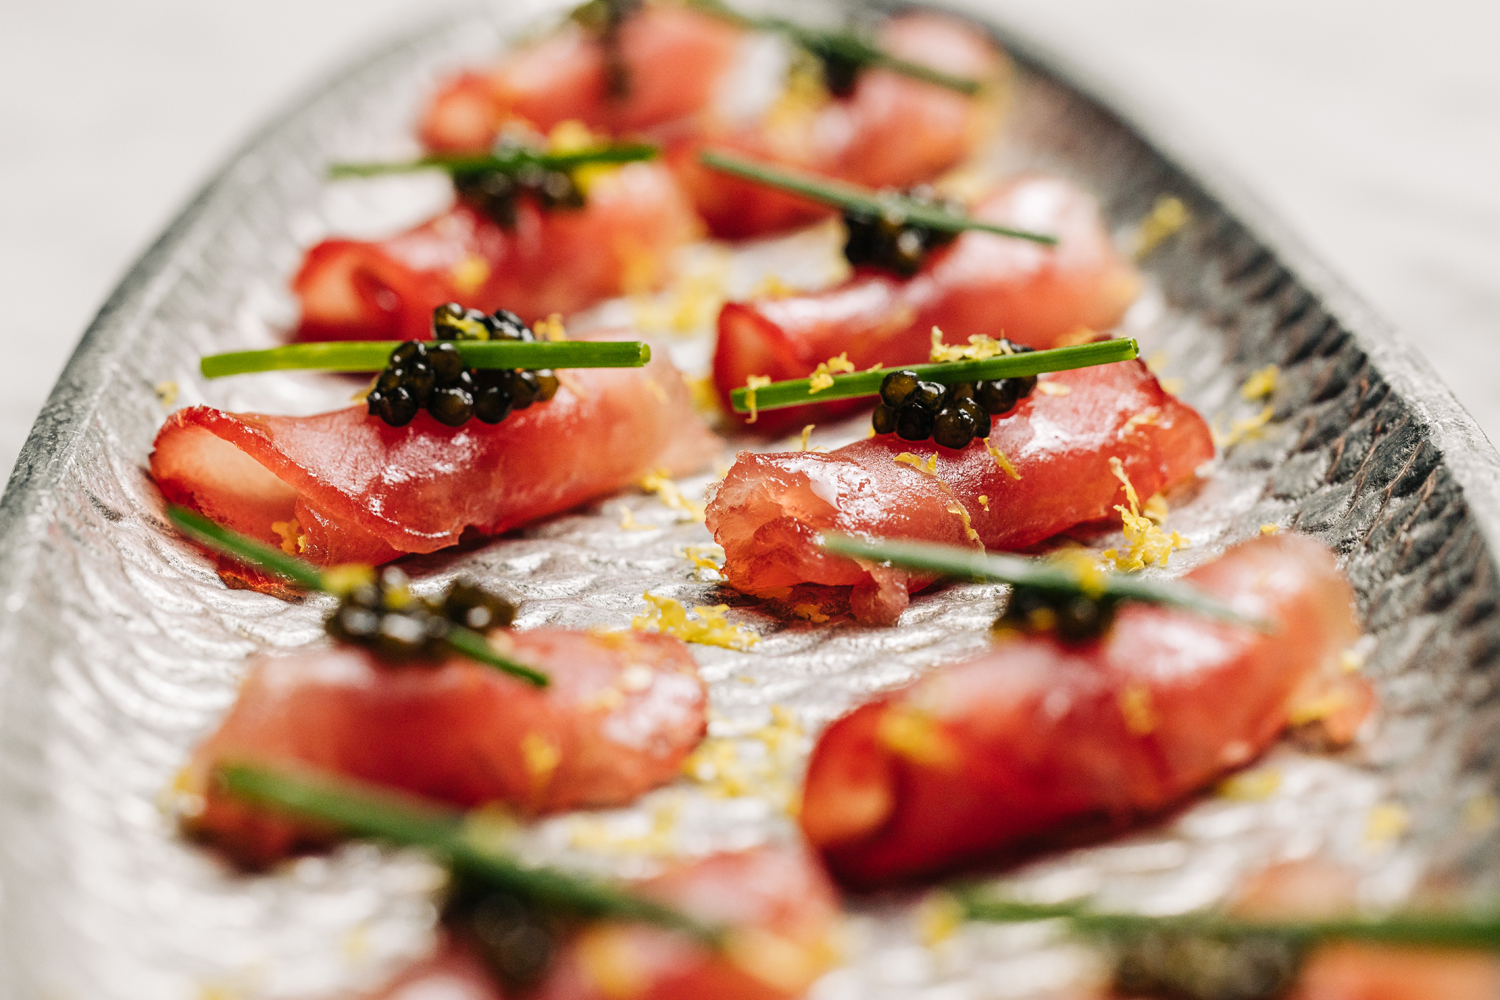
x=120, y=648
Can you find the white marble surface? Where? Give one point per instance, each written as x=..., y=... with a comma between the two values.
x=1372, y=126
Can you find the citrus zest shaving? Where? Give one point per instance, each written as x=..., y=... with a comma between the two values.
x=1166, y=217
x=918, y=737
x=810, y=612
x=293, y=541
x=470, y=274
x=1251, y=786
x=1270, y=529
x=963, y=513
x=822, y=376
x=1137, y=707
x=1260, y=384
x=660, y=482
x=1048, y=388
x=629, y=523
x=705, y=397
x=1146, y=543
x=669, y=617
x=1001, y=462
x=625, y=835
x=772, y=287
x=984, y=502
x=1241, y=430
x=807, y=433
x=939, y=918
x=1145, y=418
x=572, y=135
x=751, y=384
x=702, y=557
x=166, y=394
x=762, y=762
x=980, y=347
x=915, y=461
x=541, y=757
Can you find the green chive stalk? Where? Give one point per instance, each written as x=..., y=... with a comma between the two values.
x=374, y=355
x=505, y=161
x=1041, y=574
x=795, y=392
x=404, y=821
x=252, y=553
x=852, y=198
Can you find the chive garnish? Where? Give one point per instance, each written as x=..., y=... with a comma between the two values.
x=1040, y=574
x=844, y=46
x=374, y=355
x=1460, y=930
x=795, y=392
x=510, y=161
x=852, y=198
x=404, y=821
x=252, y=553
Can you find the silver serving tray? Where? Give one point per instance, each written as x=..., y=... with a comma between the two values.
x=119, y=648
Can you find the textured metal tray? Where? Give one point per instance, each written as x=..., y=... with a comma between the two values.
x=119, y=649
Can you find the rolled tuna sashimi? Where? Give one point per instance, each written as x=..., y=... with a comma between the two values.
x=621, y=712
x=556, y=260
x=891, y=131
x=1011, y=747
x=347, y=487
x=1058, y=443
x=672, y=61
x=981, y=284
x=778, y=906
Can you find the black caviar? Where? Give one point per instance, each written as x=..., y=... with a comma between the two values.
x=1179, y=966
x=892, y=243
x=434, y=377
x=605, y=18
x=1071, y=616
x=516, y=940
x=952, y=415
x=494, y=192
x=401, y=628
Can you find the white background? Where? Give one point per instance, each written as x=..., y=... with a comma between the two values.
x=1372, y=126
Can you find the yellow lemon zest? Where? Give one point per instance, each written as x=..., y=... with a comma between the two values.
x=979, y=348
x=1166, y=217
x=915, y=461
x=810, y=612
x=806, y=433
x=1146, y=543
x=764, y=763
x=659, y=481
x=705, y=397
x=1251, y=786
x=772, y=287
x=963, y=514
x=916, y=736
x=470, y=274
x=709, y=628
x=1138, y=709
x=1260, y=384
x=984, y=502
x=1241, y=430
x=938, y=918
x=541, y=757
x=1147, y=417
x=751, y=384
x=1001, y=462
x=1270, y=529
x=166, y=394
x=550, y=328
x=822, y=376
x=1049, y=388
x=702, y=557
x=623, y=835
x=293, y=541
x=629, y=523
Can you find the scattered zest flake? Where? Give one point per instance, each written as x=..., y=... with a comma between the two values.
x=939, y=918
x=660, y=483
x=705, y=397
x=1242, y=430
x=762, y=762
x=1146, y=543
x=1166, y=217
x=709, y=627
x=632, y=833
x=915, y=461
x=1049, y=388
x=772, y=287
x=807, y=433
x=822, y=376
x=470, y=274
x=629, y=523
x=751, y=384
x=293, y=541
x=963, y=513
x=572, y=135
x=1139, y=712
x=1260, y=384
x=550, y=328
x=916, y=736
x=984, y=502
x=1001, y=462
x=810, y=612
x=166, y=394
x=1251, y=786
x=1090, y=574
x=1145, y=418
x=980, y=347
x=1387, y=822
x=1270, y=529
x=541, y=757
x=703, y=557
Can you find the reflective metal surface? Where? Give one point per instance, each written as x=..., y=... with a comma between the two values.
x=120, y=649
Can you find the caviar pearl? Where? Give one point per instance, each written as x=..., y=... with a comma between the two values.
x=385, y=617
x=1071, y=617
